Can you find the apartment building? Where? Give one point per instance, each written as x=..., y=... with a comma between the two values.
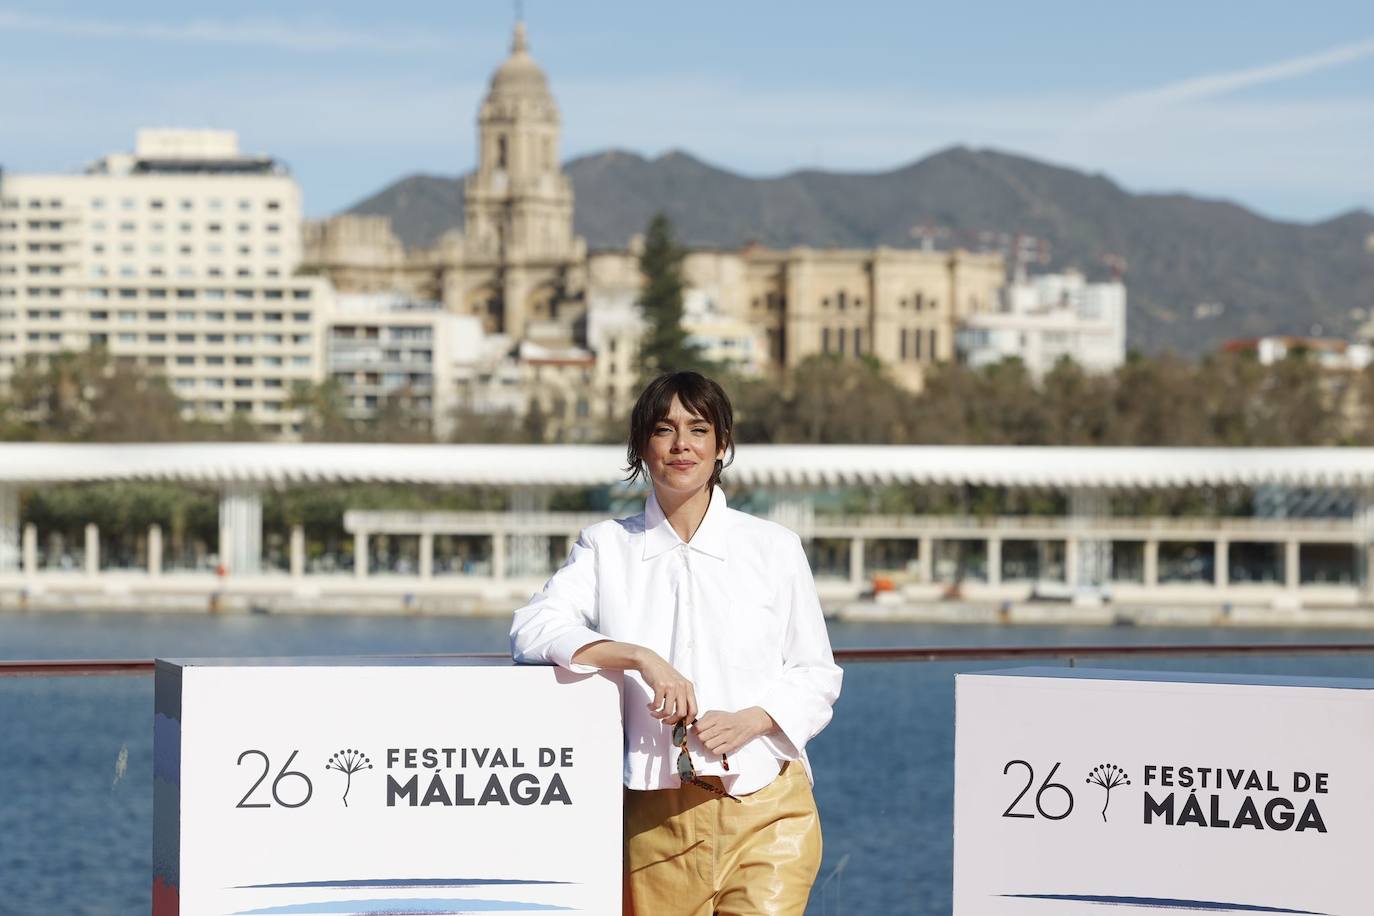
x=1046, y=318
x=181, y=257
x=385, y=350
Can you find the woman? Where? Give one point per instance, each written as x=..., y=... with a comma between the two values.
x=713, y=616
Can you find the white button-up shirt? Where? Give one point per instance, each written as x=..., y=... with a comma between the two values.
x=734, y=611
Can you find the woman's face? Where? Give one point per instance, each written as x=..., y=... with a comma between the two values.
x=682, y=452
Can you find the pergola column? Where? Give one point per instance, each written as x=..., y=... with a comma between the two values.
x=240, y=530
x=1292, y=570
x=1221, y=563
x=856, y=561
x=994, y=560
x=1091, y=555
x=360, y=555
x=154, y=550
x=9, y=528
x=30, y=549
x=1151, y=571
x=925, y=559
x=297, y=551
x=426, y=554
x=92, y=549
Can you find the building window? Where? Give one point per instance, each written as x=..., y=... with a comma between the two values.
x=916, y=344
x=840, y=300
x=825, y=340
x=839, y=334
x=858, y=342
x=903, y=337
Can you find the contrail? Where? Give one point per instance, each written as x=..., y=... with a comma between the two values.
x=1215, y=84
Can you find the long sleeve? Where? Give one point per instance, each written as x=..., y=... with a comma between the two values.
x=801, y=698
x=562, y=618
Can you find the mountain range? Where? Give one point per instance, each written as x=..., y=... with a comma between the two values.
x=1198, y=271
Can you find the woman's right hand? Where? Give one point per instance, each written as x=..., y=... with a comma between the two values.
x=675, y=699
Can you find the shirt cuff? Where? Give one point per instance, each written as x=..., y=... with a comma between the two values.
x=562, y=649
x=791, y=722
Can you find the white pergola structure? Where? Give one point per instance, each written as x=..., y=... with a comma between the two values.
x=243, y=471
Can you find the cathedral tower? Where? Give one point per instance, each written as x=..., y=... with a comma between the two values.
x=519, y=205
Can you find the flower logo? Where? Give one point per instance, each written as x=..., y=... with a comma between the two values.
x=1108, y=776
x=348, y=761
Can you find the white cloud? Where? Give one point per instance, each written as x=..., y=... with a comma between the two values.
x=300, y=36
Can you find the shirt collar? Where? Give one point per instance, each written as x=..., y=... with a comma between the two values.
x=709, y=538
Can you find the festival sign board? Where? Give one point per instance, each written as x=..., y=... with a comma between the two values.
x=351, y=786
x=1162, y=793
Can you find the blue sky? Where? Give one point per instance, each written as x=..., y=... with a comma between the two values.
x=1265, y=103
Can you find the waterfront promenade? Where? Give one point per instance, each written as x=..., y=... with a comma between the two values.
x=1300, y=556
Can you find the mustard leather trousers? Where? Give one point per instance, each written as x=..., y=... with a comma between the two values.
x=691, y=853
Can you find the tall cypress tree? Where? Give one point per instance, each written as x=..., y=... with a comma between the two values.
x=664, y=347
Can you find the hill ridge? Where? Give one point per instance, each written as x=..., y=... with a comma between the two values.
x=1181, y=250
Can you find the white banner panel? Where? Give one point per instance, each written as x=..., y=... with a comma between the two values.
x=348, y=787
x=1088, y=792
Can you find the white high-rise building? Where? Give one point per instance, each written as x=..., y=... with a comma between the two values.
x=181, y=258
x=1047, y=318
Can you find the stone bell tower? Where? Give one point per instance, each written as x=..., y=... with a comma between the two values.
x=519, y=204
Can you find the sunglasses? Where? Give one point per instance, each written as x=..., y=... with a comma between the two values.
x=685, y=771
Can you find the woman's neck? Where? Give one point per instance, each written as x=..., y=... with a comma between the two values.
x=684, y=511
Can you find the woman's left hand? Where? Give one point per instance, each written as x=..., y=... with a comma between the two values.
x=727, y=732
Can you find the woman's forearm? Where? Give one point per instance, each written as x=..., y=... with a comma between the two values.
x=608, y=653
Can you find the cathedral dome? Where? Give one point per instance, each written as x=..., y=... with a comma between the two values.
x=519, y=78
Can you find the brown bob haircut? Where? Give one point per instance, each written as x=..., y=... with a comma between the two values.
x=701, y=396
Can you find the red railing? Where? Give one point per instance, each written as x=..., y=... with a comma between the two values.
x=75, y=667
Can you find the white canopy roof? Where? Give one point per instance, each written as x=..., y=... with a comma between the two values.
x=807, y=466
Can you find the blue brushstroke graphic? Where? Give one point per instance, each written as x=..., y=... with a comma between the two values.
x=1210, y=906
x=405, y=906
x=401, y=882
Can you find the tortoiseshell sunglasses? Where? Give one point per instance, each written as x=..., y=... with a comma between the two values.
x=685, y=771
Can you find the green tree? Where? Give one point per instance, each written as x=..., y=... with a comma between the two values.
x=324, y=412
x=88, y=397
x=665, y=346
